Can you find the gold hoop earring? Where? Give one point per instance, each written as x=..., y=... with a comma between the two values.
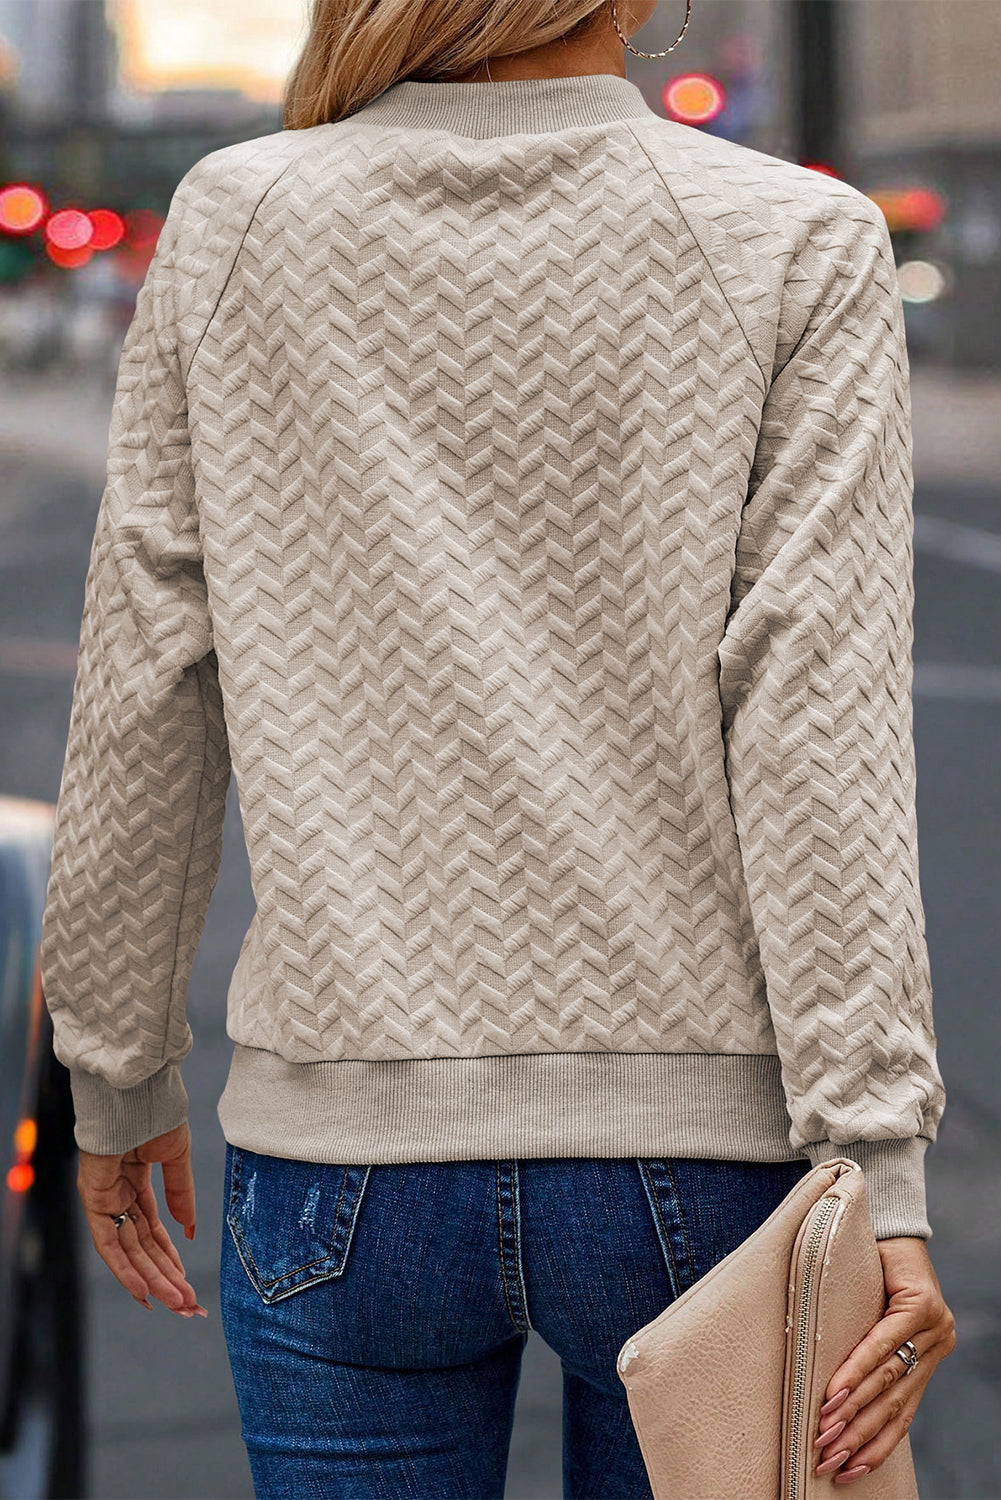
x=626, y=43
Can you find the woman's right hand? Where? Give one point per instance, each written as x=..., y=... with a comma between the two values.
x=883, y=1394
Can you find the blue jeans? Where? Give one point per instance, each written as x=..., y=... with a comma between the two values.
x=375, y=1316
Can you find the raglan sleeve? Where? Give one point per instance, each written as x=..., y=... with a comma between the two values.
x=815, y=676
x=139, y=815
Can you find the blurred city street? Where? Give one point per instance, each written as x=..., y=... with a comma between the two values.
x=160, y=1394
x=104, y=106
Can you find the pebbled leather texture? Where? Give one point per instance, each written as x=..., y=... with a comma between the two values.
x=709, y=1381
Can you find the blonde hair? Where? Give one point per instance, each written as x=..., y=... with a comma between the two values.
x=355, y=49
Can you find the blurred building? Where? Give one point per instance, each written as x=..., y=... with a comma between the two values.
x=890, y=94
x=922, y=107
x=208, y=49
x=113, y=100
x=923, y=74
x=67, y=58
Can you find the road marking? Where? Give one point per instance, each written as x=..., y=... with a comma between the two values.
x=941, y=679
x=32, y=658
x=959, y=543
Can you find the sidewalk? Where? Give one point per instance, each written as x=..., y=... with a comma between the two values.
x=956, y=417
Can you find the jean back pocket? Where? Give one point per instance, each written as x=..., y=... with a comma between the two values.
x=292, y=1221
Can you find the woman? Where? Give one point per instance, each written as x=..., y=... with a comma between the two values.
x=513, y=488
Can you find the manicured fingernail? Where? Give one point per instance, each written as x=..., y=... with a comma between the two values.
x=829, y=1406
x=189, y=1232
x=826, y=1437
x=202, y=1312
x=832, y=1462
x=847, y=1474
x=147, y=1305
x=185, y=1312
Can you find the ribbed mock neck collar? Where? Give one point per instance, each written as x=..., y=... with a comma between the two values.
x=509, y=107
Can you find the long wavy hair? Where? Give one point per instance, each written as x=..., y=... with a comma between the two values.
x=355, y=49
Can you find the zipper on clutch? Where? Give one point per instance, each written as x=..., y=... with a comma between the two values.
x=828, y=1207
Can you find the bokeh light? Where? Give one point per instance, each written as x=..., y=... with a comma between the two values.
x=921, y=281
x=22, y=208
x=68, y=257
x=693, y=98
x=109, y=228
x=142, y=229
x=69, y=229
x=915, y=208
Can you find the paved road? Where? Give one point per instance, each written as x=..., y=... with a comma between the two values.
x=164, y=1416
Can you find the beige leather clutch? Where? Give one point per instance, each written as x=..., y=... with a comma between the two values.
x=725, y=1386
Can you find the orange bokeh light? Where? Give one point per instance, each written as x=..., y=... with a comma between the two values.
x=22, y=1174
x=917, y=208
x=22, y=208
x=694, y=98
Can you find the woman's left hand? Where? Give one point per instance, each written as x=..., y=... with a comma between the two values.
x=141, y=1253
x=883, y=1394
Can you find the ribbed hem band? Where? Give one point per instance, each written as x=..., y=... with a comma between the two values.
x=728, y=1106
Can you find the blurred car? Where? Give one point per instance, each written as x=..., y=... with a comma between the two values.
x=42, y=1419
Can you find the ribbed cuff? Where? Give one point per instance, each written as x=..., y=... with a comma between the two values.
x=111, y=1121
x=894, y=1180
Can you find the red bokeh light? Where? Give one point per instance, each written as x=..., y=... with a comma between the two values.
x=68, y=258
x=142, y=229
x=108, y=226
x=820, y=166
x=20, y=1177
x=925, y=207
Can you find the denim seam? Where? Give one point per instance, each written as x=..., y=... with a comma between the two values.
x=261, y=1286
x=500, y=1246
x=502, y=1252
x=662, y=1231
x=681, y=1219
x=235, y=1179
x=517, y=1240
x=307, y=1265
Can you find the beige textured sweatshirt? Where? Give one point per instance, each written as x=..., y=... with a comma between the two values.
x=514, y=488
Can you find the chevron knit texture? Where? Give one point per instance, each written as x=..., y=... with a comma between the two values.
x=513, y=488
